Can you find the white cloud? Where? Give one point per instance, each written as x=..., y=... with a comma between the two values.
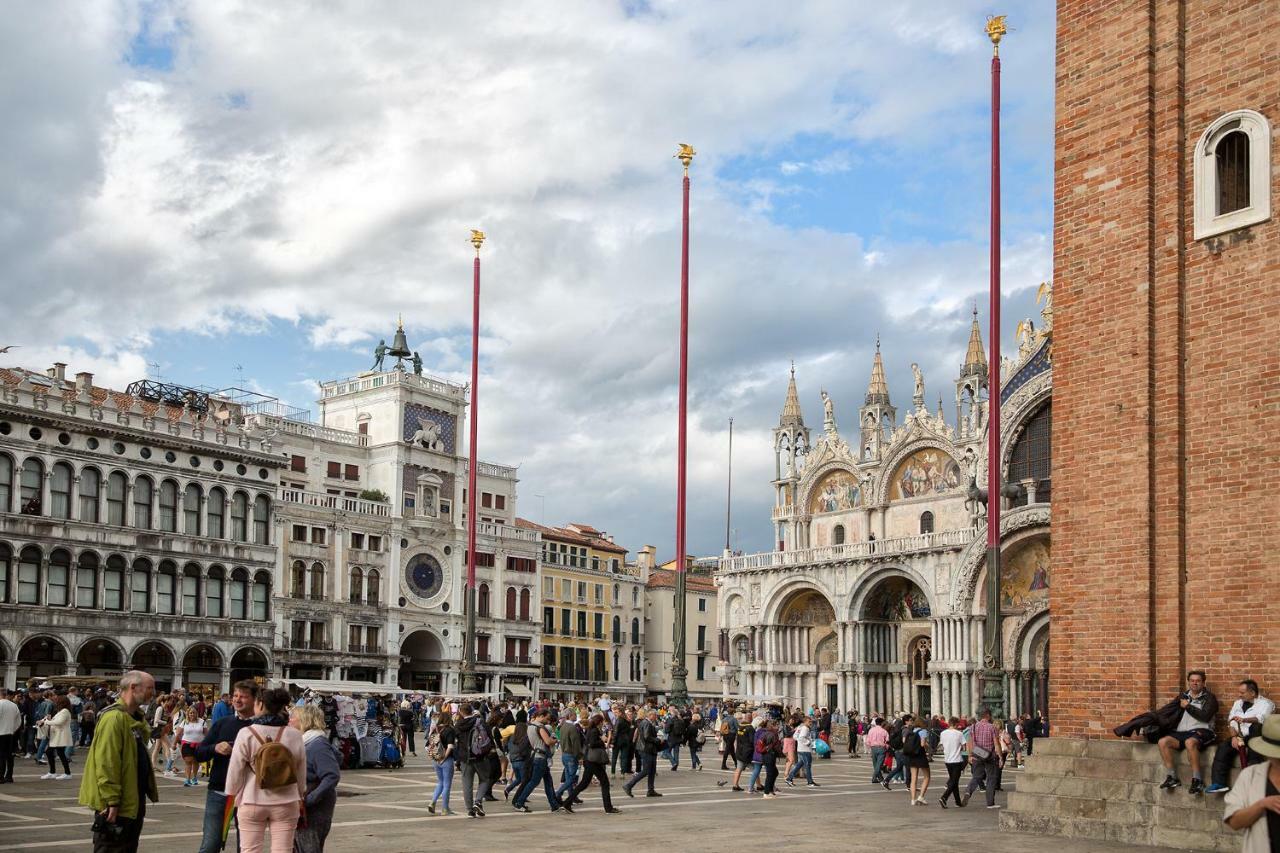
x=322, y=165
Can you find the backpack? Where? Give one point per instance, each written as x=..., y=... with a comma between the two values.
x=434, y=748
x=481, y=741
x=273, y=763
x=911, y=744
x=895, y=740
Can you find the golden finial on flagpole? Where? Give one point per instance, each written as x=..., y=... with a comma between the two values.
x=685, y=155
x=477, y=237
x=995, y=31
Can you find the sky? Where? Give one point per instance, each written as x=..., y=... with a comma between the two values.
x=246, y=193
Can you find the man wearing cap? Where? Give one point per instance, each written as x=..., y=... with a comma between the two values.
x=1253, y=804
x=1247, y=715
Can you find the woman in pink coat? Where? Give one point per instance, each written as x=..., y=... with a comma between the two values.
x=261, y=809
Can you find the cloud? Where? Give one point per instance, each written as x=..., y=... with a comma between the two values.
x=321, y=166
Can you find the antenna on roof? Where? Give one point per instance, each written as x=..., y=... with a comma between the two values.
x=240, y=375
x=155, y=370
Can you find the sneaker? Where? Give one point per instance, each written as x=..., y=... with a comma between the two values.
x=1197, y=787
x=993, y=806
x=737, y=788
x=653, y=794
x=479, y=812
x=61, y=777
x=49, y=776
x=813, y=785
x=431, y=809
x=964, y=801
x=769, y=796
x=1170, y=783
x=942, y=802
x=790, y=784
x=628, y=792
x=565, y=809
x=613, y=811
x=471, y=812
x=885, y=785
x=1215, y=788
x=524, y=809
x=447, y=813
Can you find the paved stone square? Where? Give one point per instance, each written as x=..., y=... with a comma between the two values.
x=386, y=810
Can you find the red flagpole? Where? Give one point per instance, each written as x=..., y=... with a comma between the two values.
x=679, y=688
x=469, y=681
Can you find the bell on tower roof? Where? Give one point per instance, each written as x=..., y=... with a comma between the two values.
x=975, y=359
x=791, y=415
x=399, y=346
x=877, y=388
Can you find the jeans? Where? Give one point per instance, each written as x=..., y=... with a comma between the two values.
x=648, y=770
x=58, y=752
x=44, y=744
x=469, y=784
x=444, y=781
x=622, y=754
x=215, y=804
x=877, y=764
x=804, y=761
x=596, y=770
x=519, y=767
x=770, y=772
x=899, y=767
x=569, y=775
x=954, y=769
x=984, y=772
x=6, y=757
x=694, y=761
x=1224, y=758
x=673, y=753
x=539, y=772
x=756, y=767
x=256, y=820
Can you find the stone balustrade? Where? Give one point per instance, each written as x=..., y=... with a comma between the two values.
x=943, y=539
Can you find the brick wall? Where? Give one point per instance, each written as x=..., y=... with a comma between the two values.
x=1167, y=365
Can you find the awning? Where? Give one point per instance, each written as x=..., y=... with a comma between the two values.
x=518, y=690
x=345, y=687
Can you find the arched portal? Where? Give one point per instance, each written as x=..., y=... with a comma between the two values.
x=423, y=662
x=249, y=663
x=202, y=670
x=157, y=660
x=805, y=625
x=894, y=636
x=100, y=656
x=41, y=657
x=1030, y=686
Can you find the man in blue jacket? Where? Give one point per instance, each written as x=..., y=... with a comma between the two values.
x=216, y=748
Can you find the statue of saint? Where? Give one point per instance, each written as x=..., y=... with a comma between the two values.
x=417, y=364
x=379, y=354
x=919, y=389
x=828, y=412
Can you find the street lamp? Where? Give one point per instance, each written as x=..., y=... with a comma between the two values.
x=469, y=682
x=992, y=663
x=679, y=689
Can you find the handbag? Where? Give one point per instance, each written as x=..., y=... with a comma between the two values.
x=597, y=755
x=980, y=753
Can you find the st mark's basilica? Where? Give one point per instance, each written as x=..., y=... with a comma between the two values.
x=873, y=598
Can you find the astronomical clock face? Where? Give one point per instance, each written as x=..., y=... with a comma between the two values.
x=424, y=575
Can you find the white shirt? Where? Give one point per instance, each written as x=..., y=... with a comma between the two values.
x=193, y=732
x=10, y=717
x=1262, y=708
x=804, y=738
x=952, y=743
x=1250, y=786
x=1189, y=723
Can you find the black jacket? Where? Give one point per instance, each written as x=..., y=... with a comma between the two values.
x=223, y=731
x=744, y=742
x=622, y=731
x=463, y=729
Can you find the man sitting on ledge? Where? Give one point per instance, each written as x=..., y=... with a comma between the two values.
x=1193, y=731
x=1247, y=715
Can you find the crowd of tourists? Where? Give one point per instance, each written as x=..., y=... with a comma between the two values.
x=277, y=756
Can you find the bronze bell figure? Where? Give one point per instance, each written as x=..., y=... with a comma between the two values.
x=400, y=346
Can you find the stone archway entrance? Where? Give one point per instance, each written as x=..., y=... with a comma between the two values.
x=100, y=657
x=424, y=665
x=155, y=659
x=805, y=651
x=895, y=617
x=41, y=657
x=202, y=670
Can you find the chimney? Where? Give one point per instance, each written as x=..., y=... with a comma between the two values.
x=647, y=558
x=58, y=371
x=84, y=382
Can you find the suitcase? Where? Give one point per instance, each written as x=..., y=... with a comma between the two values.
x=391, y=756
x=370, y=751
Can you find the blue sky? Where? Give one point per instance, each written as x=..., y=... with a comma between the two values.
x=192, y=187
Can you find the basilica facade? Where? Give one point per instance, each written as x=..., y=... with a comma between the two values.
x=873, y=599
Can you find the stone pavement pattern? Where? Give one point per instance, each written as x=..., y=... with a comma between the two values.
x=387, y=811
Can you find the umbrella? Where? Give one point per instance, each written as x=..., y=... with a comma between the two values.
x=228, y=815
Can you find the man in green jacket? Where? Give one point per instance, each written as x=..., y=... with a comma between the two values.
x=118, y=779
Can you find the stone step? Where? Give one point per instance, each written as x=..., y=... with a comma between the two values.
x=1093, y=808
x=1073, y=827
x=1147, y=793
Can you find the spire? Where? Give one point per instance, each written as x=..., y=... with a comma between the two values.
x=791, y=408
x=877, y=388
x=975, y=360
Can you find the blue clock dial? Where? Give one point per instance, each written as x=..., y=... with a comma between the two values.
x=424, y=575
